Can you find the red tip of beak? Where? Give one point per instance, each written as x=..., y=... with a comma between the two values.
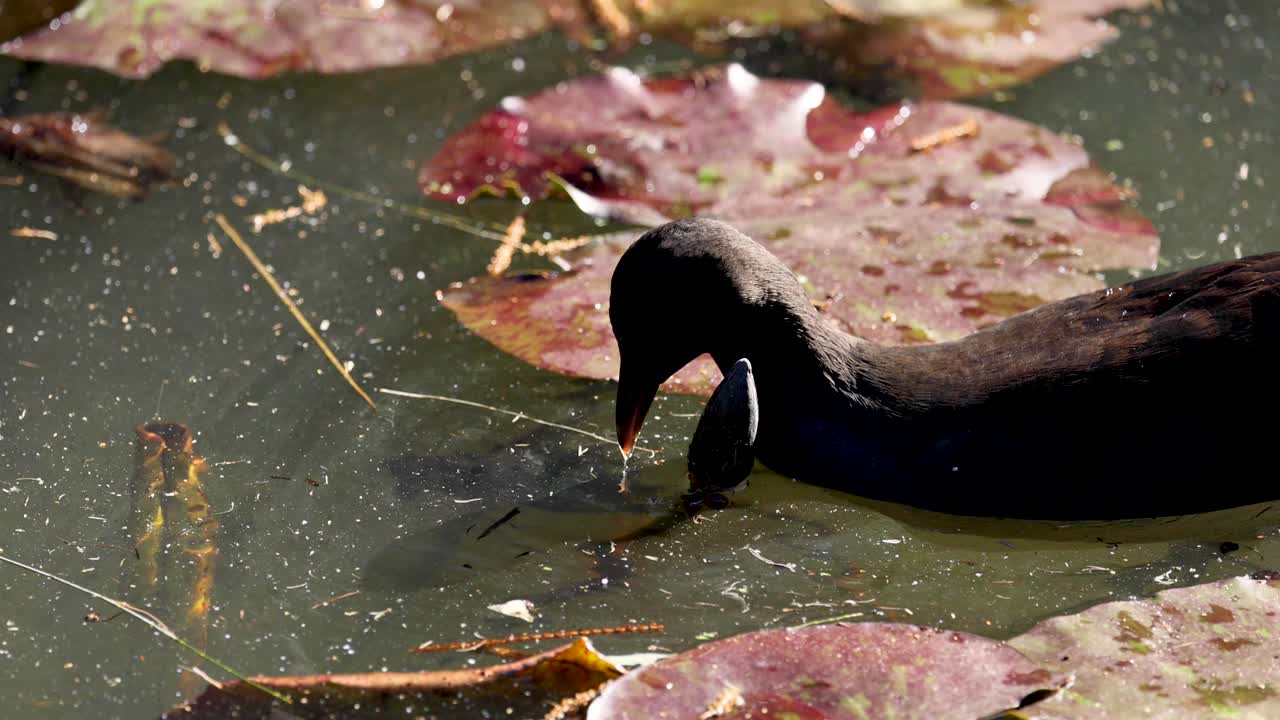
x=634, y=399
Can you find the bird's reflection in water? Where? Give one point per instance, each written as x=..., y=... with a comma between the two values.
x=549, y=497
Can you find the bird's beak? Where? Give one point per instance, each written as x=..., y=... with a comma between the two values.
x=635, y=395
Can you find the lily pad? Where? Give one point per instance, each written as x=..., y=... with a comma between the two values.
x=949, y=48
x=954, y=49
x=1205, y=651
x=910, y=223
x=256, y=38
x=867, y=670
x=944, y=48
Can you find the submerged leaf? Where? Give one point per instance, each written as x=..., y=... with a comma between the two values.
x=896, y=244
x=174, y=533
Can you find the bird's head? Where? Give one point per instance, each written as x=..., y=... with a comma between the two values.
x=683, y=289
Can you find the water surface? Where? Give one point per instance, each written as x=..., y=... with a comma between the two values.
x=128, y=316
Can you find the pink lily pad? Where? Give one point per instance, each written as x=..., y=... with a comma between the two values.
x=867, y=670
x=1205, y=651
x=897, y=244
x=256, y=38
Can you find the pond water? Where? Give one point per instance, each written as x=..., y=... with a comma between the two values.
x=129, y=316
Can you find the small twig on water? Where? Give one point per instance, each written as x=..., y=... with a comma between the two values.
x=759, y=556
x=574, y=703
x=335, y=599
x=929, y=141
x=151, y=620
x=30, y=232
x=512, y=413
x=535, y=637
x=826, y=621
x=288, y=303
x=501, y=259
x=615, y=22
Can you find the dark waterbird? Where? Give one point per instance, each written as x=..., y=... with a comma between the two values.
x=1153, y=398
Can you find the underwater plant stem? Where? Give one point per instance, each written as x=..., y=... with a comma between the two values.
x=153, y=622
x=512, y=413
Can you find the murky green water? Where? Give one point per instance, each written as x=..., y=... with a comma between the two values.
x=128, y=316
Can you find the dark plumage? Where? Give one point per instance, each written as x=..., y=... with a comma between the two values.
x=1153, y=398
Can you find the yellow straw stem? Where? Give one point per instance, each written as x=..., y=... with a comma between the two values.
x=288, y=303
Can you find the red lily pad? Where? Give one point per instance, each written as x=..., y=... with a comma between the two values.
x=867, y=670
x=898, y=244
x=256, y=38
x=1205, y=651
x=952, y=48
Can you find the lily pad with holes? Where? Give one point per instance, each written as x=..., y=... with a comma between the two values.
x=910, y=223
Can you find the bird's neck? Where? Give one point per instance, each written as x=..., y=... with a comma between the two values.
x=804, y=362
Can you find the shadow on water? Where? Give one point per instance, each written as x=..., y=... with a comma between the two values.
x=768, y=491
x=548, y=498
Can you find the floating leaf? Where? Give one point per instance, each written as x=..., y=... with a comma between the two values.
x=1206, y=651
x=866, y=670
x=255, y=38
x=949, y=48
x=530, y=685
x=897, y=244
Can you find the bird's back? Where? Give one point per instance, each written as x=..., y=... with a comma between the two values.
x=1149, y=399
